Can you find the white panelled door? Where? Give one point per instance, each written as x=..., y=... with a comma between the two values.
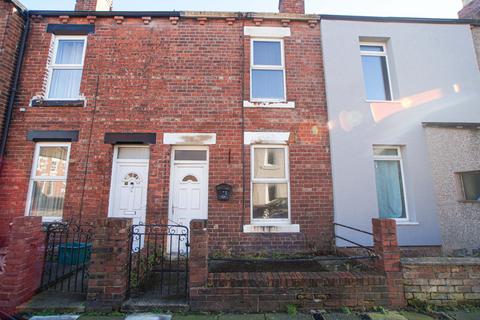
x=128, y=196
x=189, y=193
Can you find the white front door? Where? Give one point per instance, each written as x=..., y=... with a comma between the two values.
x=128, y=196
x=189, y=187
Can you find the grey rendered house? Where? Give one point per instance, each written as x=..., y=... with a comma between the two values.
x=395, y=88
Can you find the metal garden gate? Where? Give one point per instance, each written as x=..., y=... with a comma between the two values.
x=158, y=264
x=67, y=255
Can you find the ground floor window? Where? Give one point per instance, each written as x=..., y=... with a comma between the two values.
x=471, y=185
x=270, y=184
x=48, y=180
x=390, y=182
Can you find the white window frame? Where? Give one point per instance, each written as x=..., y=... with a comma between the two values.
x=53, y=66
x=34, y=178
x=268, y=67
x=384, y=53
x=399, y=158
x=254, y=180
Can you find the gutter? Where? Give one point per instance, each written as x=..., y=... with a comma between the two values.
x=14, y=88
x=55, y=13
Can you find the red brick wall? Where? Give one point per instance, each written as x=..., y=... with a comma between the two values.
x=90, y=5
x=24, y=263
x=11, y=26
x=161, y=77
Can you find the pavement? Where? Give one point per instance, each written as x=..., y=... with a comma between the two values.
x=390, y=315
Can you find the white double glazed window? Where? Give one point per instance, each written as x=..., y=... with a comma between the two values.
x=267, y=76
x=48, y=181
x=376, y=73
x=270, y=184
x=390, y=182
x=66, y=68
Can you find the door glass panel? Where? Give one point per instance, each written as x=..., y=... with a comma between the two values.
x=270, y=201
x=133, y=153
x=269, y=163
x=191, y=155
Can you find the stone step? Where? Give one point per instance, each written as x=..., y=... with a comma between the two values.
x=136, y=305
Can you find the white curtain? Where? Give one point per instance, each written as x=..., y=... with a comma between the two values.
x=389, y=189
x=65, y=84
x=267, y=53
x=69, y=52
x=48, y=198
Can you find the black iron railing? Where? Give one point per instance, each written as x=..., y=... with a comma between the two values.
x=68, y=248
x=158, y=262
x=370, y=252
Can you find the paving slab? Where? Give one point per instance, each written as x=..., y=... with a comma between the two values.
x=63, y=317
x=195, y=317
x=415, y=316
x=340, y=316
x=60, y=302
x=386, y=316
x=284, y=316
x=464, y=315
x=148, y=316
x=242, y=317
x=102, y=318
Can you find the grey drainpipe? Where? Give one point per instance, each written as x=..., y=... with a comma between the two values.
x=14, y=88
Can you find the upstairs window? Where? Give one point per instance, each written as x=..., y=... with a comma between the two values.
x=390, y=183
x=375, y=71
x=66, y=67
x=267, y=71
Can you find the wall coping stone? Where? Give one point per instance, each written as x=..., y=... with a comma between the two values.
x=441, y=261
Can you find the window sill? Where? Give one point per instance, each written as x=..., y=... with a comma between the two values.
x=407, y=223
x=271, y=228
x=469, y=201
x=57, y=103
x=259, y=104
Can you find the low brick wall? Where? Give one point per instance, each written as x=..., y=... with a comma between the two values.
x=274, y=291
x=442, y=280
x=22, y=262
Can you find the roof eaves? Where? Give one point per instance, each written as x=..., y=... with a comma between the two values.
x=400, y=19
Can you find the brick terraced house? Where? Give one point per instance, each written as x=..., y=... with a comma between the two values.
x=210, y=132
x=143, y=115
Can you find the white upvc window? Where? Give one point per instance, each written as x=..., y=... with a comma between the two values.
x=376, y=73
x=66, y=68
x=270, y=184
x=48, y=181
x=390, y=183
x=470, y=185
x=267, y=70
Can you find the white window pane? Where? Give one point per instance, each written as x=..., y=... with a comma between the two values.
x=133, y=153
x=267, y=53
x=191, y=155
x=372, y=48
x=267, y=84
x=270, y=201
x=471, y=185
x=375, y=76
x=390, y=193
x=48, y=198
x=65, y=84
x=70, y=52
x=269, y=163
x=52, y=162
x=379, y=151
